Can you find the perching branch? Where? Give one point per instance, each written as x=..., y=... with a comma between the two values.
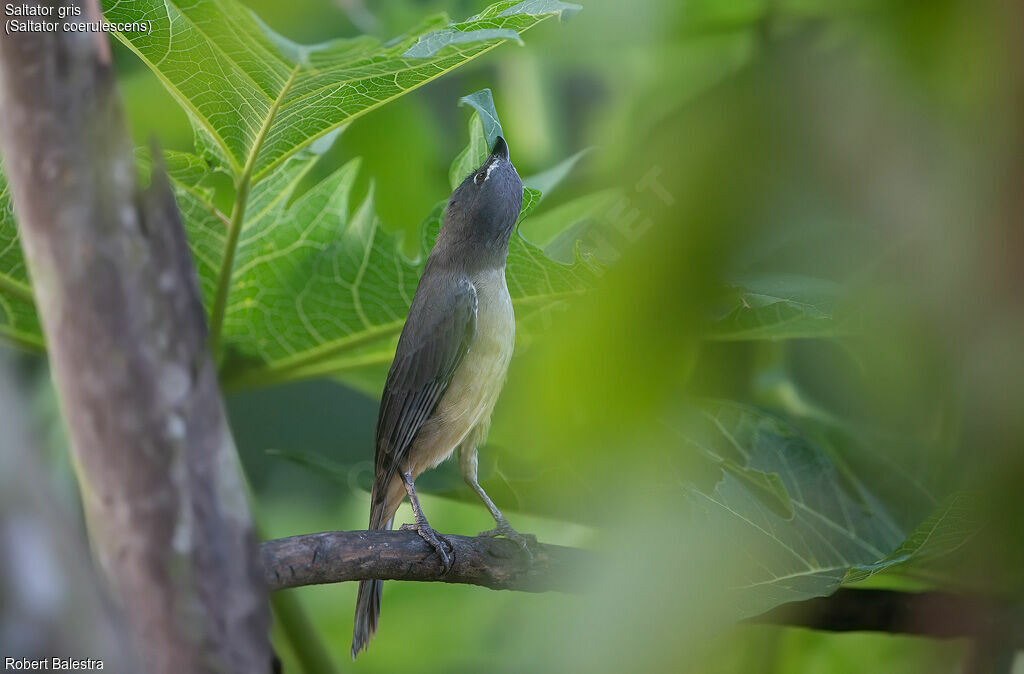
x=337, y=556
x=126, y=336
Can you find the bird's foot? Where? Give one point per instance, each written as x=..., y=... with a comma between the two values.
x=435, y=540
x=504, y=530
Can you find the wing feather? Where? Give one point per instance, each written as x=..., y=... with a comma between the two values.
x=437, y=335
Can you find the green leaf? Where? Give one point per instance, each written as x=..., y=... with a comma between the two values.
x=483, y=103
x=319, y=289
x=545, y=181
x=333, y=296
x=767, y=487
x=430, y=44
x=305, y=285
x=831, y=529
x=781, y=306
x=841, y=530
x=484, y=129
x=255, y=98
x=467, y=161
x=207, y=226
x=954, y=522
x=19, y=323
x=587, y=219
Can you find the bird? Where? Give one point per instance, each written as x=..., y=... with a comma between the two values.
x=449, y=365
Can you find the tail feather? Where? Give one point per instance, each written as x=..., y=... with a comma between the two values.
x=367, y=613
x=368, y=599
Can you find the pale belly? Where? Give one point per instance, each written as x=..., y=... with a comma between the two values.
x=474, y=389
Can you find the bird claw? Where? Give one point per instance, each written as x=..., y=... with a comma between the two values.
x=434, y=540
x=503, y=530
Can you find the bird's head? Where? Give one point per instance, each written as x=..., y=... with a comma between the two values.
x=482, y=211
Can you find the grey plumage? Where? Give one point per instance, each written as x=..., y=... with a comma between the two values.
x=450, y=361
x=438, y=333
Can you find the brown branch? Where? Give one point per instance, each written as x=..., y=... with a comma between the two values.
x=337, y=556
x=939, y=615
x=119, y=304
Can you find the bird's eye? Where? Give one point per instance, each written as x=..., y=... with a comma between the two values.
x=479, y=178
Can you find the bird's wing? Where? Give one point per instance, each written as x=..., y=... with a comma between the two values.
x=438, y=333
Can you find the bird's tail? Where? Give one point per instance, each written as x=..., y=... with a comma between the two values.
x=367, y=612
x=368, y=599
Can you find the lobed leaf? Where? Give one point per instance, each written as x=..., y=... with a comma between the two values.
x=832, y=528
x=320, y=289
x=256, y=98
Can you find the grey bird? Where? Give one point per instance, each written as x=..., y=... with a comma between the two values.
x=450, y=363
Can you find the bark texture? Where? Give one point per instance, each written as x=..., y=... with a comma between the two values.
x=336, y=556
x=126, y=336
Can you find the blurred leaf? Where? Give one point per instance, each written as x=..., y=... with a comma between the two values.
x=768, y=487
x=909, y=475
x=547, y=180
x=587, y=219
x=512, y=481
x=841, y=530
x=18, y=320
x=794, y=558
x=780, y=306
x=952, y=525
x=319, y=464
x=518, y=484
x=255, y=98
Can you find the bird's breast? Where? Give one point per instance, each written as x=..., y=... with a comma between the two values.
x=495, y=321
x=476, y=384
x=474, y=388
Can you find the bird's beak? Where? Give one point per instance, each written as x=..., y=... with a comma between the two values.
x=500, y=149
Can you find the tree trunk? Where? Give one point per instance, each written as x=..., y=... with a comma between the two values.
x=125, y=330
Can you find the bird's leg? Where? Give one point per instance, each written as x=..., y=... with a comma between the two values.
x=421, y=527
x=468, y=468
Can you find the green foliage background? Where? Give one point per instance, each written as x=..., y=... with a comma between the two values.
x=766, y=283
